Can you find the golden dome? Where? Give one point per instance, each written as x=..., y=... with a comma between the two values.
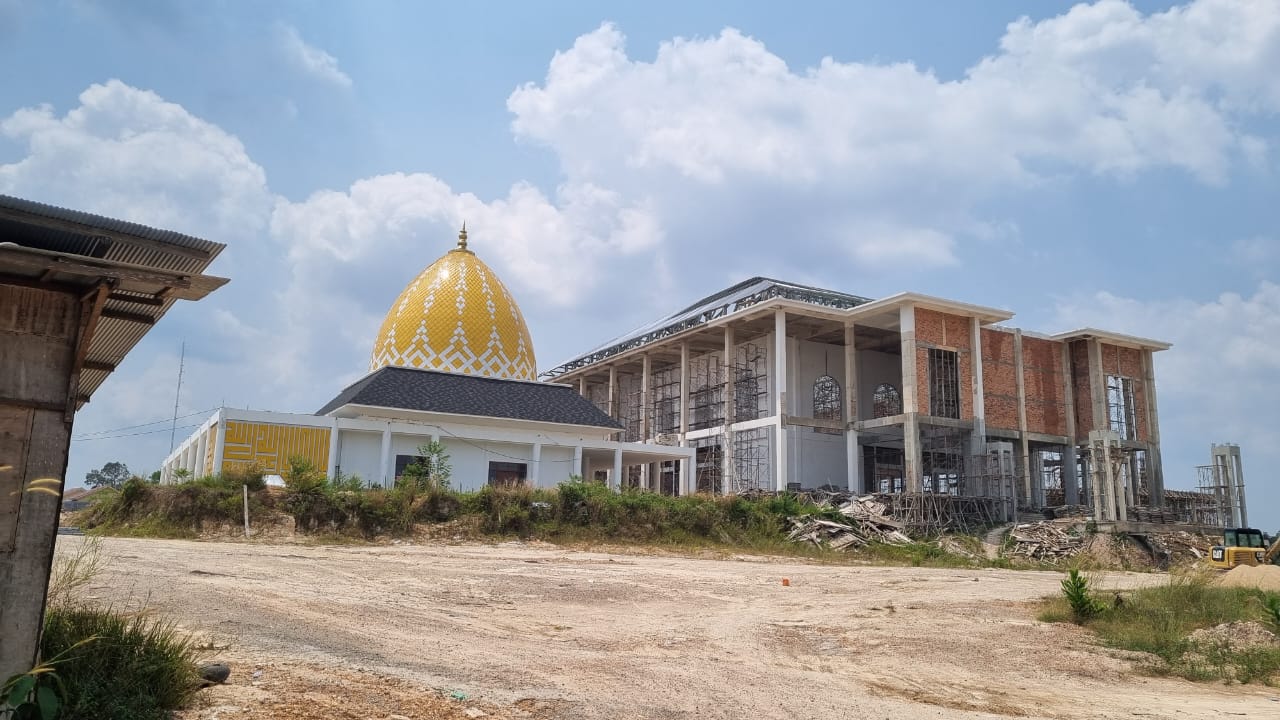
x=457, y=316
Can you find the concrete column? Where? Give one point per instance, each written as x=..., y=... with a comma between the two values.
x=978, y=438
x=780, y=373
x=686, y=479
x=41, y=332
x=535, y=465
x=582, y=386
x=1022, y=418
x=613, y=392
x=1097, y=386
x=1155, y=464
x=386, y=468
x=1070, y=476
x=684, y=391
x=646, y=414
x=853, y=458
x=577, y=461
x=912, y=460
x=728, y=469
x=615, y=477
x=220, y=442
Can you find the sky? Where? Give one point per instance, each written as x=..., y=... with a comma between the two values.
x=1109, y=164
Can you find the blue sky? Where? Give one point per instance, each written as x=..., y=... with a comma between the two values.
x=1110, y=164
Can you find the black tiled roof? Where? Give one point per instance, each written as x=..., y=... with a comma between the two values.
x=442, y=392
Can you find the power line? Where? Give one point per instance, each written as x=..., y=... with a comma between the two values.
x=144, y=432
x=88, y=435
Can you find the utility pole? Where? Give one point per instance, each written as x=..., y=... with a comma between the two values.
x=177, y=395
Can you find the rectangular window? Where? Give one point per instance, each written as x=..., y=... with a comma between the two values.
x=944, y=384
x=506, y=474
x=404, y=461
x=1121, y=409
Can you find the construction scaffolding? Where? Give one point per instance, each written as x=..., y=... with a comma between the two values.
x=752, y=460
x=942, y=454
x=1222, y=484
x=931, y=513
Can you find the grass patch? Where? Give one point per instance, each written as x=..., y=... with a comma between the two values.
x=1160, y=620
x=132, y=667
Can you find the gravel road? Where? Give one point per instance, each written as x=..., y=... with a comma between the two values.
x=597, y=635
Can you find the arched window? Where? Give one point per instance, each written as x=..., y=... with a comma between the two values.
x=826, y=401
x=887, y=401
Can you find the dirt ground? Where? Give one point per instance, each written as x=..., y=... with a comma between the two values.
x=521, y=631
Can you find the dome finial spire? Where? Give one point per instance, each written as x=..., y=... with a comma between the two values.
x=462, y=236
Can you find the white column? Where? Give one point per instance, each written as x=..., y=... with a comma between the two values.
x=582, y=386
x=386, y=467
x=332, y=470
x=853, y=458
x=535, y=468
x=686, y=467
x=202, y=450
x=780, y=395
x=615, y=478
x=577, y=461
x=220, y=442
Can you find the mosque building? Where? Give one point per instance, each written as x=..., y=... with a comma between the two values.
x=453, y=362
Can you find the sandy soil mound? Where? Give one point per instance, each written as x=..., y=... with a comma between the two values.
x=1237, y=635
x=1263, y=577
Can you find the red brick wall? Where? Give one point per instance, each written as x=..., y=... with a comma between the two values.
x=1042, y=378
x=946, y=332
x=999, y=379
x=1043, y=382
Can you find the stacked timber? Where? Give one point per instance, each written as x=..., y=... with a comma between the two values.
x=1044, y=541
x=865, y=522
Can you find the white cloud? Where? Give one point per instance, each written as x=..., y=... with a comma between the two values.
x=128, y=153
x=1100, y=90
x=311, y=59
x=1217, y=383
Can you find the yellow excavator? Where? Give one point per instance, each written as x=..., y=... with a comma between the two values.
x=1244, y=546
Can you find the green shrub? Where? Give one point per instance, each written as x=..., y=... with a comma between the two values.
x=134, y=667
x=1084, y=606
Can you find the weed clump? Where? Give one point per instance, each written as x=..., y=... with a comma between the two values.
x=1184, y=625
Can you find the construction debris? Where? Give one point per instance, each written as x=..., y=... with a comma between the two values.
x=1044, y=541
x=866, y=523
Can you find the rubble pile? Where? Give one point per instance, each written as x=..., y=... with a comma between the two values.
x=1044, y=541
x=865, y=522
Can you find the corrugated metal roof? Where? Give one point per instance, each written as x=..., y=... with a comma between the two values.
x=61, y=238
x=725, y=302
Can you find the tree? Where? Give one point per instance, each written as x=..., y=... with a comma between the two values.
x=430, y=469
x=112, y=475
x=155, y=478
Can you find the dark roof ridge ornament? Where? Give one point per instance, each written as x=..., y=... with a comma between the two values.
x=462, y=236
